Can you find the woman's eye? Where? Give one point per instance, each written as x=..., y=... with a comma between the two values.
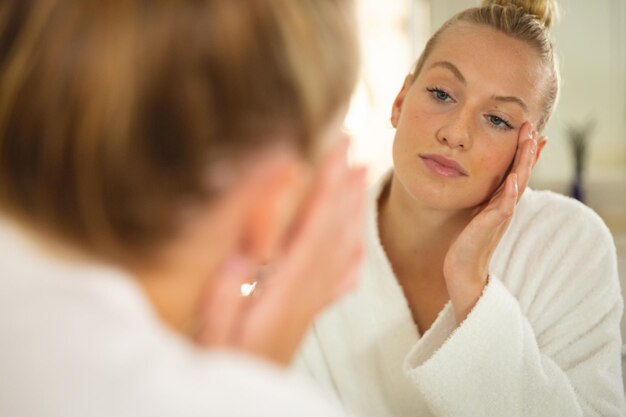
x=439, y=95
x=442, y=95
x=499, y=122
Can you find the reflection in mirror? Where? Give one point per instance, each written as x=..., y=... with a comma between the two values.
x=470, y=302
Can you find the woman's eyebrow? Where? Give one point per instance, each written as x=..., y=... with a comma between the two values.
x=512, y=99
x=451, y=67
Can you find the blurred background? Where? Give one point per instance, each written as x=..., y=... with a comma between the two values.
x=586, y=154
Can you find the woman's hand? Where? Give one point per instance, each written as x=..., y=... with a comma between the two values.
x=467, y=261
x=320, y=262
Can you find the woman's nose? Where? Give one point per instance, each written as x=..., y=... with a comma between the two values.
x=456, y=131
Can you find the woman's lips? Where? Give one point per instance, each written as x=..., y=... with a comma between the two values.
x=443, y=166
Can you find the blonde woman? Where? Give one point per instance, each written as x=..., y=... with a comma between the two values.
x=153, y=154
x=479, y=297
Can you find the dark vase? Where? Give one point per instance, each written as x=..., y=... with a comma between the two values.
x=576, y=190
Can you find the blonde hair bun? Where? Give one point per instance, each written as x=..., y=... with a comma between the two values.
x=545, y=11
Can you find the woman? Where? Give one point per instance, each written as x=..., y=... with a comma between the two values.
x=152, y=156
x=479, y=297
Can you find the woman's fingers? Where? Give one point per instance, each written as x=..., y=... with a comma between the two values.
x=501, y=205
x=505, y=207
x=350, y=278
x=222, y=306
x=319, y=263
x=337, y=236
x=526, y=164
x=523, y=162
x=328, y=185
x=497, y=214
x=525, y=133
x=349, y=254
x=329, y=240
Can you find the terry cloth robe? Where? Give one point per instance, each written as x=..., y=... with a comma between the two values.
x=83, y=341
x=543, y=339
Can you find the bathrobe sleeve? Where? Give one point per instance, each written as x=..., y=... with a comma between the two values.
x=559, y=355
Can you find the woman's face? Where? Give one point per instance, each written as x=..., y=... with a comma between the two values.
x=465, y=109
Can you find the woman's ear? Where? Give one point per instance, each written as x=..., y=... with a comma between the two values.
x=274, y=192
x=543, y=140
x=396, y=108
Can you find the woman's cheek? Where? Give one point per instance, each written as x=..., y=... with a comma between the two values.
x=493, y=167
x=497, y=152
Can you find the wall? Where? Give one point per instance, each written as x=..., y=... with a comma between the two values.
x=390, y=33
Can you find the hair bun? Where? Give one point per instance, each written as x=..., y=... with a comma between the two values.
x=545, y=11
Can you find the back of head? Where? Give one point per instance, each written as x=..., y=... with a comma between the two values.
x=113, y=113
x=527, y=20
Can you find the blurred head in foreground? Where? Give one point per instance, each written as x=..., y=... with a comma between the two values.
x=126, y=127
x=118, y=118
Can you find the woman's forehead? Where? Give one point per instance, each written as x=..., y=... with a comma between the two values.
x=488, y=59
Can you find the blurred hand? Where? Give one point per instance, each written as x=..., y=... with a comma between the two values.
x=467, y=262
x=319, y=263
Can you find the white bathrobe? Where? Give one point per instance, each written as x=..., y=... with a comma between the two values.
x=543, y=340
x=83, y=341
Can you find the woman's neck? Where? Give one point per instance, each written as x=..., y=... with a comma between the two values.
x=178, y=278
x=175, y=295
x=416, y=238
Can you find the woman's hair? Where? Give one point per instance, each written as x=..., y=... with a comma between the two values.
x=113, y=113
x=526, y=20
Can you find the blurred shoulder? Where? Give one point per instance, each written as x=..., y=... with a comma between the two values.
x=242, y=385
